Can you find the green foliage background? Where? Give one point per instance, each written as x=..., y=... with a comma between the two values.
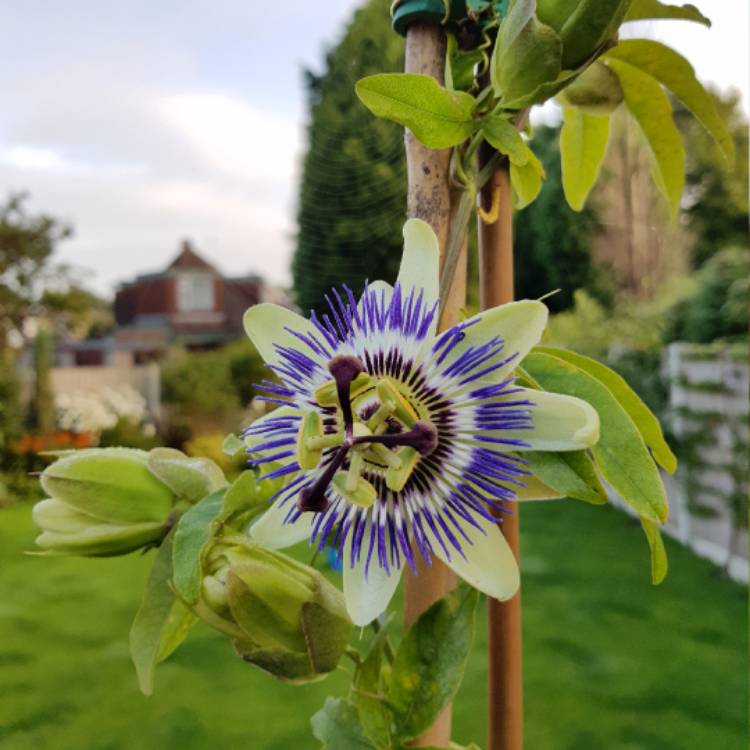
x=552, y=243
x=353, y=190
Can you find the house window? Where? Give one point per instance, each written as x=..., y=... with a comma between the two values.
x=195, y=291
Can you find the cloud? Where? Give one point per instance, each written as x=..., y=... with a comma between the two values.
x=234, y=137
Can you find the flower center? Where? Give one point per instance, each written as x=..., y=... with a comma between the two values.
x=388, y=437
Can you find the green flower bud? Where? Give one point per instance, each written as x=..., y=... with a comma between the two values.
x=597, y=91
x=282, y=616
x=583, y=25
x=103, y=501
x=190, y=478
x=68, y=531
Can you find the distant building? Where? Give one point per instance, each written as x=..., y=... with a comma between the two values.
x=189, y=303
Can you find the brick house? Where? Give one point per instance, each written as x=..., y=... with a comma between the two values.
x=189, y=302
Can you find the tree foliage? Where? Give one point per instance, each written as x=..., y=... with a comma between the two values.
x=353, y=189
x=719, y=307
x=42, y=406
x=717, y=197
x=553, y=242
x=27, y=243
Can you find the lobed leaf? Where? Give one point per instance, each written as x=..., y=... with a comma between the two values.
x=645, y=420
x=337, y=726
x=653, y=10
x=503, y=136
x=583, y=144
x=459, y=65
x=589, y=25
x=649, y=105
x=232, y=445
x=367, y=691
x=672, y=70
x=659, y=563
x=527, y=54
x=572, y=474
x=194, y=530
x=526, y=180
x=176, y=628
x=621, y=454
x=439, y=118
x=151, y=618
x=242, y=494
x=430, y=662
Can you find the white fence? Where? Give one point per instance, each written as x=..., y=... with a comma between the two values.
x=708, y=395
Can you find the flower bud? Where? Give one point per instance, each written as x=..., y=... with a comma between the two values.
x=597, y=91
x=583, y=25
x=103, y=501
x=282, y=616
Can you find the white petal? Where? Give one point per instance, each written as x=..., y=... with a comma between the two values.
x=489, y=565
x=271, y=532
x=518, y=324
x=367, y=597
x=420, y=262
x=560, y=423
x=379, y=287
x=266, y=325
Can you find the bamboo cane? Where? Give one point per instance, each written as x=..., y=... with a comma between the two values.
x=429, y=198
x=505, y=677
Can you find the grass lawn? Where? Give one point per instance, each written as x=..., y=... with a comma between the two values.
x=611, y=663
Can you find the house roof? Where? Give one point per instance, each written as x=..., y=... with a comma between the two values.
x=188, y=259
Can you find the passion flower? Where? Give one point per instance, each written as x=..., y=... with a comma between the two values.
x=397, y=441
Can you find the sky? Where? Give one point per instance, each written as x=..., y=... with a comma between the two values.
x=154, y=122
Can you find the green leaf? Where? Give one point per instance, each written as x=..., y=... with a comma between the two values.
x=659, y=563
x=430, y=662
x=672, y=70
x=590, y=24
x=653, y=9
x=572, y=474
x=649, y=105
x=583, y=143
x=232, y=445
x=452, y=746
x=193, y=530
x=176, y=628
x=438, y=118
x=151, y=618
x=337, y=726
x=367, y=692
x=190, y=478
x=526, y=180
x=242, y=495
x=621, y=454
x=459, y=65
x=527, y=54
x=502, y=135
x=645, y=420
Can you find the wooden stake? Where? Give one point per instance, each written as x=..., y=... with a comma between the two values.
x=429, y=198
x=505, y=677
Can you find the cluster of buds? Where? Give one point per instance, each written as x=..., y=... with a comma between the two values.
x=282, y=616
x=584, y=26
x=103, y=502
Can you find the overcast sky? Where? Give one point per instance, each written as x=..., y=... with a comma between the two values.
x=142, y=123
